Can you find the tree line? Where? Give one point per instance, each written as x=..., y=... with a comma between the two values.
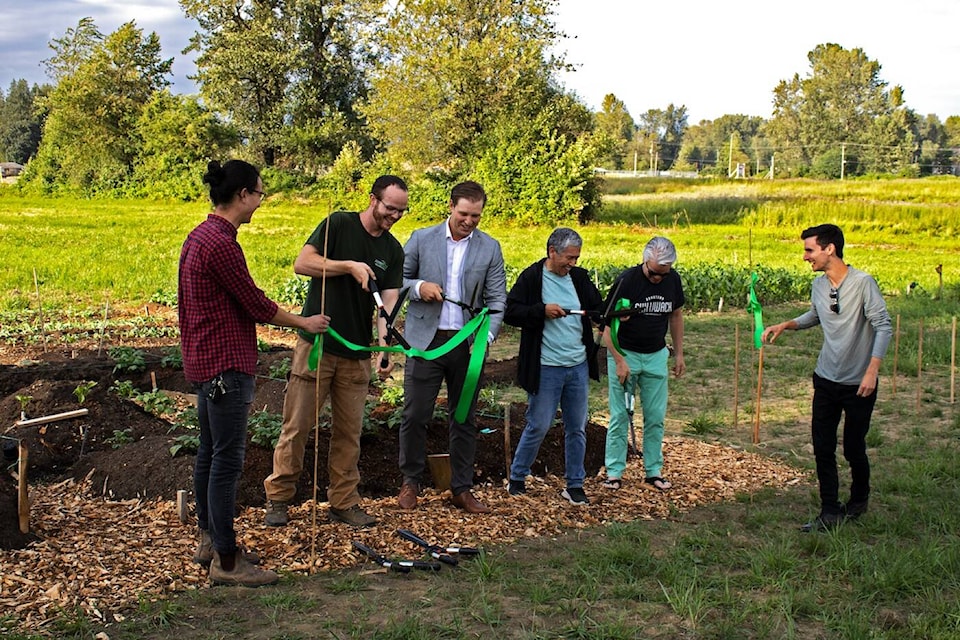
x=325, y=94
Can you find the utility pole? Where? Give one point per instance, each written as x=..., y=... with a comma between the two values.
x=843, y=158
x=651, y=157
x=730, y=158
x=772, y=155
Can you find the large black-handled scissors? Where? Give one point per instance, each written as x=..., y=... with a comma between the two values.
x=388, y=317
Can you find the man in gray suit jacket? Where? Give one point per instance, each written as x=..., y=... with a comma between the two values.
x=445, y=264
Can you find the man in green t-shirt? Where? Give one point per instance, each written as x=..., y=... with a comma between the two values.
x=346, y=251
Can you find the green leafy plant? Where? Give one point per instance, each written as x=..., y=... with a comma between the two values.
x=703, y=424
x=127, y=359
x=185, y=443
x=83, y=389
x=24, y=401
x=172, y=358
x=124, y=389
x=264, y=428
x=280, y=369
x=119, y=438
x=156, y=402
x=392, y=395
x=187, y=419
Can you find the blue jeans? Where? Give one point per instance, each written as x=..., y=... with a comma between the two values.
x=568, y=387
x=222, y=409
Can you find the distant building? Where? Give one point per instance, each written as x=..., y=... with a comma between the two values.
x=10, y=169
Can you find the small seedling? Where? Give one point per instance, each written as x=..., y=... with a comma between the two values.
x=186, y=443
x=83, y=390
x=172, y=359
x=24, y=401
x=124, y=388
x=119, y=438
x=265, y=428
x=280, y=369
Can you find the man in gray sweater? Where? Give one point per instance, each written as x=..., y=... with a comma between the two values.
x=848, y=306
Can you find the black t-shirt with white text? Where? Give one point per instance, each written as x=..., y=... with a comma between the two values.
x=644, y=332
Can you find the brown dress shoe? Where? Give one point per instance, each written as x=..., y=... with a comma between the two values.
x=408, y=496
x=468, y=503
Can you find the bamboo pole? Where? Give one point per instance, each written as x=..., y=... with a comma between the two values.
x=506, y=437
x=316, y=403
x=919, y=364
x=736, y=373
x=953, y=359
x=756, y=418
x=896, y=354
x=43, y=329
x=23, y=493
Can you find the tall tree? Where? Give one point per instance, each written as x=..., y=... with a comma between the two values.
x=843, y=101
x=20, y=122
x=450, y=69
x=613, y=131
x=89, y=137
x=287, y=73
x=660, y=134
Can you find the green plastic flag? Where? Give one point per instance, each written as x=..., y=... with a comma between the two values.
x=753, y=306
x=622, y=304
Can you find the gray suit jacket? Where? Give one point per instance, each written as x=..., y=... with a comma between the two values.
x=425, y=258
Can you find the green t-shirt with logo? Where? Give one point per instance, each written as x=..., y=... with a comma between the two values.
x=351, y=309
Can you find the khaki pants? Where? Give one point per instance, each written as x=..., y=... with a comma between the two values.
x=345, y=381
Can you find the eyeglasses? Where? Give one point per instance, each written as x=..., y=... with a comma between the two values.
x=262, y=194
x=391, y=209
x=835, y=300
x=656, y=274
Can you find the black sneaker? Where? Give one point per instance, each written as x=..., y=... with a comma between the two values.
x=575, y=495
x=517, y=488
x=823, y=522
x=853, y=510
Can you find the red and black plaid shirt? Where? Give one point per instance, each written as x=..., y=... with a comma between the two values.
x=219, y=304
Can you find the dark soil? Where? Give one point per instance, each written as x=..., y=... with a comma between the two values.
x=144, y=467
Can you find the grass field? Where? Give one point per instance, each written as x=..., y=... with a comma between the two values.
x=736, y=570
x=85, y=252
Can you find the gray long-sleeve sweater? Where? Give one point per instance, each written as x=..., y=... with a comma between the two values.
x=860, y=331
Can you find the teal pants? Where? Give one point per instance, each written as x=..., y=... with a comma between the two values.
x=648, y=373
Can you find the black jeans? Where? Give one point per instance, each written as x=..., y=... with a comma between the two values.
x=830, y=399
x=223, y=405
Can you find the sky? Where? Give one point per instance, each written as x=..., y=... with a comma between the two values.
x=711, y=56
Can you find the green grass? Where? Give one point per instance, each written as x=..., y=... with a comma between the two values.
x=89, y=252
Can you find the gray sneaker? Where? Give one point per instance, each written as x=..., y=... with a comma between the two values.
x=575, y=495
x=354, y=516
x=276, y=514
x=244, y=574
x=203, y=556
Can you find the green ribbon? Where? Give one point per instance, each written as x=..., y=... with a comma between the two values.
x=622, y=304
x=479, y=324
x=753, y=306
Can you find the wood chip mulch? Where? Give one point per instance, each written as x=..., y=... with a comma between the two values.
x=101, y=556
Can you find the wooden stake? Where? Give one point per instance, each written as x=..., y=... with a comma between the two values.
x=153, y=380
x=506, y=437
x=919, y=364
x=103, y=327
x=316, y=403
x=953, y=359
x=896, y=354
x=182, y=510
x=56, y=417
x=756, y=418
x=23, y=495
x=736, y=373
x=43, y=330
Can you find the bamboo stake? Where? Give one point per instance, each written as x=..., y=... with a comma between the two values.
x=43, y=330
x=953, y=359
x=56, y=417
x=23, y=494
x=756, y=418
x=919, y=364
x=103, y=326
x=316, y=403
x=736, y=373
x=896, y=354
x=506, y=436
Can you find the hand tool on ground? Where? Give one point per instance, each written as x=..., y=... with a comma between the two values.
x=628, y=400
x=443, y=554
x=401, y=566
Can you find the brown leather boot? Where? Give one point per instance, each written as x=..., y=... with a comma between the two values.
x=243, y=573
x=203, y=556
